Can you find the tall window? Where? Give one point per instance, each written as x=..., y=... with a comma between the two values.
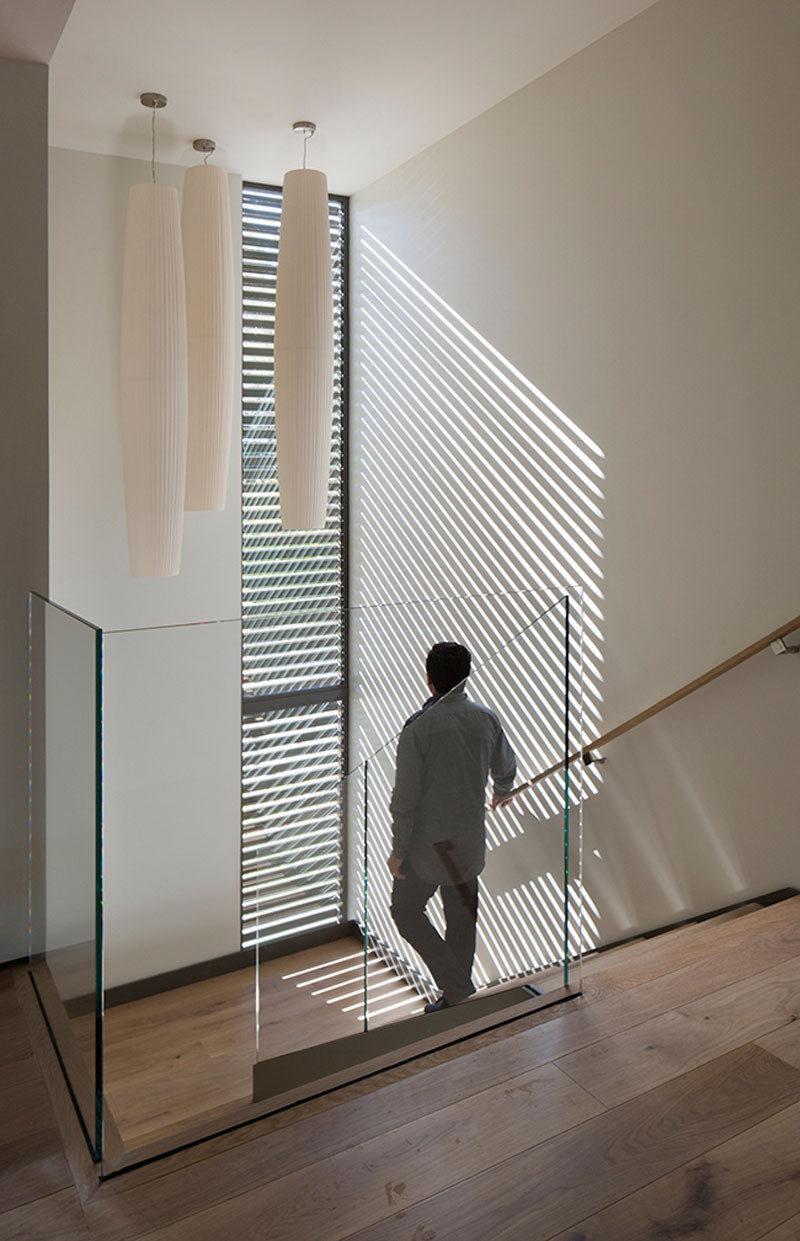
x=294, y=651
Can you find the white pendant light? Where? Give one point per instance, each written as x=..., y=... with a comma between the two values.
x=153, y=385
x=304, y=347
x=208, y=265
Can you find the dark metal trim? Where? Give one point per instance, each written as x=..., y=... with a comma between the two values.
x=156, y=984
x=345, y=540
x=565, y=601
x=94, y=1154
x=99, y=1007
x=293, y=698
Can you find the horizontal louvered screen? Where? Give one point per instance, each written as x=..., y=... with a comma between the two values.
x=291, y=582
x=292, y=822
x=292, y=628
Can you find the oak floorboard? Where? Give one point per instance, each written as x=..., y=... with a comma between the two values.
x=544, y=1191
x=619, y=1067
x=57, y=1217
x=31, y=1166
x=182, y=1056
x=784, y=1042
x=26, y=1104
x=655, y=958
x=359, y=1185
x=790, y=1231
x=324, y=1126
x=14, y=1042
x=83, y=1172
x=183, y=1093
x=733, y=1192
x=284, y=1151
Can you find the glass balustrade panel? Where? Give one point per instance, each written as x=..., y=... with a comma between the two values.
x=366, y=974
x=65, y=851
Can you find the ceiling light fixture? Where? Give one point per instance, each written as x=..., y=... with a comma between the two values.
x=210, y=313
x=304, y=346
x=153, y=387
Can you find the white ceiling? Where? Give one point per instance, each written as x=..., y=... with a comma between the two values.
x=382, y=79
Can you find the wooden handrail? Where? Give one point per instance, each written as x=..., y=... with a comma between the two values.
x=719, y=670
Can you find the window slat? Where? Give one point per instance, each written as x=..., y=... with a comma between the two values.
x=292, y=631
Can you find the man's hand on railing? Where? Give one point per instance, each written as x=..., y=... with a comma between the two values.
x=504, y=799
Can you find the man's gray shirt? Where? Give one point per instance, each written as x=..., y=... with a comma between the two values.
x=444, y=756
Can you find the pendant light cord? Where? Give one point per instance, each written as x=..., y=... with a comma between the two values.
x=305, y=147
x=153, y=148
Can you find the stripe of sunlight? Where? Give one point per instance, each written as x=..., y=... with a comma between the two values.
x=440, y=516
x=504, y=452
x=442, y=484
x=383, y=723
x=424, y=638
x=388, y=636
x=312, y=969
x=515, y=604
x=389, y=981
x=409, y=374
x=528, y=664
x=528, y=928
x=560, y=691
x=543, y=669
x=500, y=829
x=391, y=647
x=467, y=390
x=406, y=1003
x=541, y=938
x=575, y=918
x=563, y=565
x=546, y=692
x=413, y=279
x=385, y=394
x=435, y=314
x=374, y=495
x=373, y=333
x=372, y=1013
x=391, y=420
x=551, y=924
x=403, y=679
x=554, y=892
x=399, y=949
x=493, y=935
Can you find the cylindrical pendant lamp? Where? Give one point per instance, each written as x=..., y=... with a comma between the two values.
x=153, y=381
x=153, y=377
x=304, y=349
x=208, y=264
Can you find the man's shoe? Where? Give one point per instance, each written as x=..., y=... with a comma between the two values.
x=436, y=1006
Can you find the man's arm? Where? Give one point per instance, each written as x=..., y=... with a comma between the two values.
x=503, y=767
x=406, y=793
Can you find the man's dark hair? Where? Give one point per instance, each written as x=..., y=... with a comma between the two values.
x=447, y=665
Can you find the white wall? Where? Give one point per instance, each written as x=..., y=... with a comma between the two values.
x=171, y=677
x=575, y=360
x=698, y=807
x=172, y=742
x=23, y=461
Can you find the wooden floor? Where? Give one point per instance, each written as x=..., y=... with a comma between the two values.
x=663, y=1105
x=187, y=1054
